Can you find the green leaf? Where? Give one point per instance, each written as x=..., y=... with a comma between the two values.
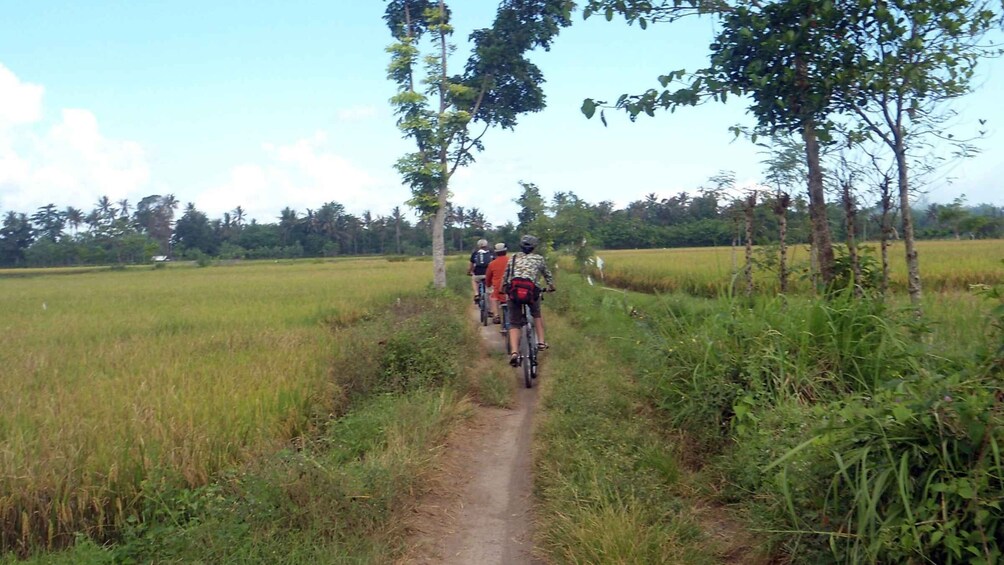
x=588, y=107
x=901, y=413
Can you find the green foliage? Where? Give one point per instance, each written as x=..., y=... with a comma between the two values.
x=921, y=460
x=418, y=354
x=868, y=264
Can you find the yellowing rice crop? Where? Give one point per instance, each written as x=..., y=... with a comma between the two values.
x=112, y=378
x=705, y=271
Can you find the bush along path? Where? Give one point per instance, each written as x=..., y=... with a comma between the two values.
x=480, y=510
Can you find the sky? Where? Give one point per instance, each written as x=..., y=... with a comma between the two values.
x=265, y=105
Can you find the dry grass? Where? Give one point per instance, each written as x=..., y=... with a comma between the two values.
x=113, y=379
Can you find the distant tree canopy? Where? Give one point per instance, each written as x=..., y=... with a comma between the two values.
x=109, y=234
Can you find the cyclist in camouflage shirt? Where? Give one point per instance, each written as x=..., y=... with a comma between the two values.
x=527, y=265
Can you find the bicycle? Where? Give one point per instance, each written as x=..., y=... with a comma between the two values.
x=483, y=301
x=528, y=346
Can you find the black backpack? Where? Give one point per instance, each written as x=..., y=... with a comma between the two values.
x=482, y=258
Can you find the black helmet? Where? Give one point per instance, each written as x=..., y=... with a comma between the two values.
x=528, y=242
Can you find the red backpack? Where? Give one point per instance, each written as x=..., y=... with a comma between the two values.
x=521, y=290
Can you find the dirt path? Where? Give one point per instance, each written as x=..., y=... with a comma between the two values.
x=479, y=510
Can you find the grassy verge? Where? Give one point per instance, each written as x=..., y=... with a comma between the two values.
x=840, y=427
x=337, y=492
x=609, y=477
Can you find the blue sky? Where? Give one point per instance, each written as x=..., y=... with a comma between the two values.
x=272, y=104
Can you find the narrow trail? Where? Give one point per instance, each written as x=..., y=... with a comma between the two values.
x=480, y=507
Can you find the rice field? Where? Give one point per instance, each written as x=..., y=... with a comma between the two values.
x=945, y=265
x=116, y=379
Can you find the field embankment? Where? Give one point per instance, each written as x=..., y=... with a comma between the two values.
x=227, y=414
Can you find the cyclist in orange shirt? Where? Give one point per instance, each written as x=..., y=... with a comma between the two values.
x=493, y=278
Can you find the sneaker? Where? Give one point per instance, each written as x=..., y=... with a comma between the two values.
x=514, y=360
x=542, y=346
x=496, y=320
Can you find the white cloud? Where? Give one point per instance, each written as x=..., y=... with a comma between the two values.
x=68, y=162
x=20, y=102
x=303, y=174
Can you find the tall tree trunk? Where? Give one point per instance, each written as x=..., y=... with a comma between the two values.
x=850, y=215
x=750, y=203
x=781, y=210
x=439, y=248
x=439, y=220
x=397, y=235
x=817, y=205
x=735, y=244
x=912, y=262
x=887, y=230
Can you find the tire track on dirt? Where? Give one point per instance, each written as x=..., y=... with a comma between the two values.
x=480, y=509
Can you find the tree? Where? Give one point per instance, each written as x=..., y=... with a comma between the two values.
x=193, y=231
x=532, y=214
x=398, y=220
x=49, y=222
x=498, y=84
x=780, y=54
x=155, y=216
x=909, y=59
x=74, y=218
x=785, y=170
x=16, y=236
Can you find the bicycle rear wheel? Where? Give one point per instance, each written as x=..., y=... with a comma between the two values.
x=483, y=303
x=527, y=352
x=505, y=326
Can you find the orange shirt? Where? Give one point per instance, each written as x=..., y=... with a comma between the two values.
x=494, y=275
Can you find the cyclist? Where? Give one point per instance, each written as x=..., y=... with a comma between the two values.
x=480, y=259
x=527, y=265
x=493, y=279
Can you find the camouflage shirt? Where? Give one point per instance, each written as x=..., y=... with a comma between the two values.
x=530, y=266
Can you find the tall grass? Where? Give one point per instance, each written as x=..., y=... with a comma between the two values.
x=845, y=430
x=114, y=381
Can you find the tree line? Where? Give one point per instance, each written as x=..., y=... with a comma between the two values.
x=711, y=215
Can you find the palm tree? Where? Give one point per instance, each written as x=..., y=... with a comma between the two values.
x=287, y=223
x=123, y=207
x=397, y=218
x=105, y=208
x=74, y=217
x=239, y=216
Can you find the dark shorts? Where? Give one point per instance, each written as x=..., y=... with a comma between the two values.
x=516, y=316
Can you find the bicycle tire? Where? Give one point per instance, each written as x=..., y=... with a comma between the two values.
x=533, y=352
x=483, y=303
x=526, y=347
x=505, y=327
